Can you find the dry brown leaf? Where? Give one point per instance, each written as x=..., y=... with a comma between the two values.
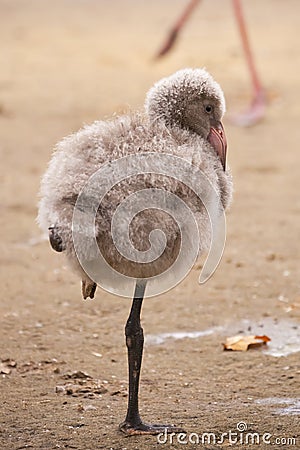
x=242, y=343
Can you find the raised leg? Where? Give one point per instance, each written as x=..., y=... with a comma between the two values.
x=133, y=423
x=88, y=289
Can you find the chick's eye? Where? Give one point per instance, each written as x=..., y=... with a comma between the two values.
x=208, y=109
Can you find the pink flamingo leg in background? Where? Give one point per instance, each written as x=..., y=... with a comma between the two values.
x=257, y=108
x=256, y=111
x=173, y=33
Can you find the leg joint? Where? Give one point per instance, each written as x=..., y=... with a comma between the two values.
x=133, y=330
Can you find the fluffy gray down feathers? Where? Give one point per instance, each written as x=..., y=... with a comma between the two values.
x=77, y=157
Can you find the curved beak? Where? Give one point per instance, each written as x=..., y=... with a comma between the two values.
x=217, y=139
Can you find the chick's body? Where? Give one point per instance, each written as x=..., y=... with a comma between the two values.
x=79, y=156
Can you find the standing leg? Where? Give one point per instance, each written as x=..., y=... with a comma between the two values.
x=133, y=423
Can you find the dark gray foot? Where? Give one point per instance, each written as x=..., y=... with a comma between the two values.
x=144, y=428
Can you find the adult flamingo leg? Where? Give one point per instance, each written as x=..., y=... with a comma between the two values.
x=257, y=108
x=256, y=111
x=173, y=33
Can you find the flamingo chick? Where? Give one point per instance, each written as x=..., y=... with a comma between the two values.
x=182, y=117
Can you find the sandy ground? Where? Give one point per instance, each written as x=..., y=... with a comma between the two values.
x=69, y=62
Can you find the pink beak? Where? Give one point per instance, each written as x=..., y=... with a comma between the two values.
x=217, y=139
